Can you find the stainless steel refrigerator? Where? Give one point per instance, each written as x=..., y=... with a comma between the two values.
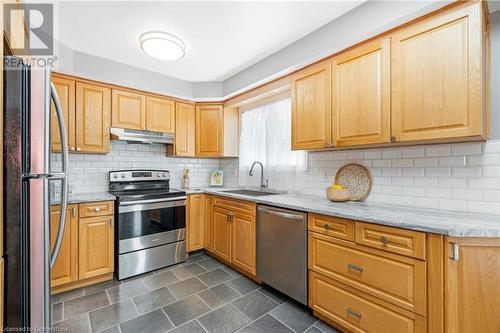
x=28, y=256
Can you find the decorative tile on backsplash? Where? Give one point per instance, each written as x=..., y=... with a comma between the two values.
x=462, y=176
x=89, y=172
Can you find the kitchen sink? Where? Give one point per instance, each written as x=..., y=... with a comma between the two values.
x=249, y=192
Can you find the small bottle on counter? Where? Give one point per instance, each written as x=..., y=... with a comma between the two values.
x=185, y=179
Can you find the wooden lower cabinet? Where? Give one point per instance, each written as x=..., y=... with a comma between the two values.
x=96, y=246
x=221, y=233
x=208, y=239
x=87, y=251
x=472, y=285
x=65, y=269
x=243, y=242
x=195, y=222
x=357, y=312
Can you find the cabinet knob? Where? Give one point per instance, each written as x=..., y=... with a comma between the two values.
x=384, y=240
x=73, y=212
x=327, y=226
x=352, y=313
x=355, y=268
x=98, y=209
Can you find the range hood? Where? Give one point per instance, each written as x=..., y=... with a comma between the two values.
x=147, y=137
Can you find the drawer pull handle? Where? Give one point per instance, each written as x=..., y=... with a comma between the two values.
x=98, y=209
x=355, y=268
x=327, y=226
x=384, y=240
x=353, y=313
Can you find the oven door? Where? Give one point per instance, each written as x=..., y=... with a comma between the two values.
x=148, y=223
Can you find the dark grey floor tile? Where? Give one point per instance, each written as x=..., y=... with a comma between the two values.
x=153, y=300
x=314, y=329
x=152, y=322
x=325, y=328
x=78, y=324
x=57, y=312
x=294, y=317
x=113, y=314
x=114, y=329
x=67, y=295
x=191, y=327
x=215, y=277
x=126, y=290
x=137, y=277
x=155, y=281
x=242, y=285
x=187, y=271
x=223, y=320
x=231, y=271
x=254, y=305
x=210, y=264
x=77, y=306
x=219, y=295
x=101, y=286
x=266, y=324
x=196, y=257
x=274, y=295
x=186, y=309
x=187, y=287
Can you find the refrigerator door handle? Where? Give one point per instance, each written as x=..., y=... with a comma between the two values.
x=62, y=175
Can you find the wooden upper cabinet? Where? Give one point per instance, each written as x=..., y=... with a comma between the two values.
x=17, y=35
x=438, y=77
x=95, y=246
x=65, y=269
x=66, y=92
x=184, y=129
x=361, y=95
x=311, y=107
x=160, y=115
x=209, y=130
x=129, y=110
x=93, y=106
x=195, y=222
x=472, y=295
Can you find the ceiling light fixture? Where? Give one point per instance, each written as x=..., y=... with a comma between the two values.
x=162, y=45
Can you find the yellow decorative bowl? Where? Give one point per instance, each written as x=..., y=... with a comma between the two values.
x=337, y=194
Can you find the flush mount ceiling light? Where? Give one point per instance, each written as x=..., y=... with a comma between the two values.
x=162, y=45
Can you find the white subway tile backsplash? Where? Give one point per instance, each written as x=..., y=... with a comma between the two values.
x=462, y=176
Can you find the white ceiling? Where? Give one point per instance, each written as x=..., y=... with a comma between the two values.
x=221, y=38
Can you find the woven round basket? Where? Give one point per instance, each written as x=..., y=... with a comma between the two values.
x=357, y=179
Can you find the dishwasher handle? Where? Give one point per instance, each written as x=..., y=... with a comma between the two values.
x=281, y=214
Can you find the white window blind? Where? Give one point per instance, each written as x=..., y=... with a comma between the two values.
x=266, y=137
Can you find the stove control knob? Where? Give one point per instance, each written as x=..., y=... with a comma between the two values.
x=123, y=175
x=115, y=175
x=164, y=175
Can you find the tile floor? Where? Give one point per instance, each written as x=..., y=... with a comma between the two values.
x=200, y=295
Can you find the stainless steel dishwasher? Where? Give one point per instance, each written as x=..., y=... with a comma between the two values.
x=282, y=250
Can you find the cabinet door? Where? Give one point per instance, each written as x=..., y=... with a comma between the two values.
x=160, y=115
x=361, y=95
x=472, y=293
x=184, y=129
x=96, y=246
x=221, y=233
x=17, y=33
x=66, y=92
x=311, y=107
x=437, y=77
x=129, y=110
x=208, y=223
x=195, y=225
x=65, y=269
x=209, y=130
x=243, y=242
x=93, y=105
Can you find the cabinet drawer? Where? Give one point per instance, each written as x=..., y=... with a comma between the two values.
x=246, y=207
x=357, y=313
x=396, y=279
x=101, y=208
x=332, y=226
x=401, y=241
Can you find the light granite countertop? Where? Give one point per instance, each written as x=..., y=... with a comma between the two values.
x=84, y=197
x=450, y=223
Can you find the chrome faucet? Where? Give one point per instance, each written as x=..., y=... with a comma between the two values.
x=262, y=184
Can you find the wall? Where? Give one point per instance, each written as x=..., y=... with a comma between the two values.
x=89, y=172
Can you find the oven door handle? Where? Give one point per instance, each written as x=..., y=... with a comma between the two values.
x=142, y=206
x=142, y=202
